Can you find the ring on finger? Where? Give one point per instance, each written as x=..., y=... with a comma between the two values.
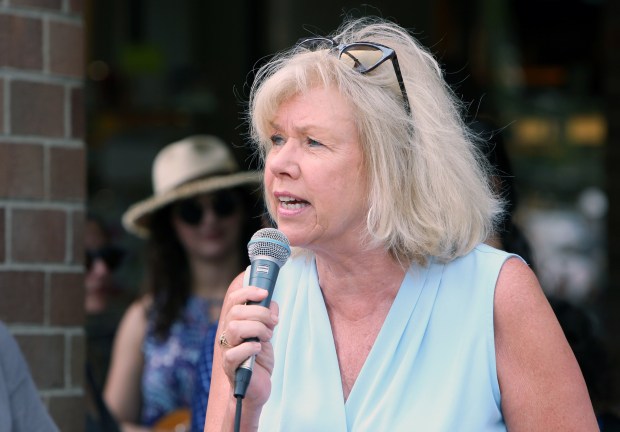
x=223, y=341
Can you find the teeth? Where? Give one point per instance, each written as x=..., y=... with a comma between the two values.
x=291, y=203
x=293, y=206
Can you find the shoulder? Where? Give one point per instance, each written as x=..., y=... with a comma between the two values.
x=133, y=325
x=138, y=310
x=13, y=366
x=518, y=295
x=5, y=335
x=540, y=381
x=482, y=258
x=522, y=314
x=482, y=266
x=16, y=383
x=10, y=353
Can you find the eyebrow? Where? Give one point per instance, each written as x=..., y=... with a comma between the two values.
x=303, y=129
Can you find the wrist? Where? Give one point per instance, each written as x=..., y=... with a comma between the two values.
x=250, y=413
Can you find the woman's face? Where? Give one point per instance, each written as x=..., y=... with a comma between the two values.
x=209, y=226
x=314, y=176
x=98, y=275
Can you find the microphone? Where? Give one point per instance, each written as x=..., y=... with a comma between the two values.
x=268, y=251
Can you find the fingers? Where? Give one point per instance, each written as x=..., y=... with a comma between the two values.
x=240, y=330
x=242, y=321
x=237, y=307
x=247, y=294
x=265, y=359
x=246, y=329
x=275, y=311
x=233, y=357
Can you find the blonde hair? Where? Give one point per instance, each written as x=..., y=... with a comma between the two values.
x=429, y=190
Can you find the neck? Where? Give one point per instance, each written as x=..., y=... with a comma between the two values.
x=210, y=279
x=355, y=285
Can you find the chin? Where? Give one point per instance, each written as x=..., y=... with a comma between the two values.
x=212, y=253
x=295, y=237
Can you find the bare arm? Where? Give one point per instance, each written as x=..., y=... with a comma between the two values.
x=541, y=384
x=241, y=322
x=122, y=391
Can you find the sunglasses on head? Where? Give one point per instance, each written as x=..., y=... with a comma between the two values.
x=191, y=211
x=363, y=57
x=112, y=256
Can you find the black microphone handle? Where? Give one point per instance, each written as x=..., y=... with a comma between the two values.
x=263, y=274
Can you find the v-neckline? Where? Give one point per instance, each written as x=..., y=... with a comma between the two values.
x=389, y=334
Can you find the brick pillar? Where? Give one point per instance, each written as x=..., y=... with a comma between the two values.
x=42, y=193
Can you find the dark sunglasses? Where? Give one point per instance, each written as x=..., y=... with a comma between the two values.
x=112, y=256
x=364, y=57
x=191, y=211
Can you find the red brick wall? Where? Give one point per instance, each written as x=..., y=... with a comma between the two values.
x=42, y=195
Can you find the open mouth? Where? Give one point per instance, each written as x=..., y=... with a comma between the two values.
x=290, y=203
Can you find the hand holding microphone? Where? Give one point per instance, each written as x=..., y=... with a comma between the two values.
x=268, y=251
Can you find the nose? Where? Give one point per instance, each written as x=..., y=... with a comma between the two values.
x=208, y=214
x=99, y=267
x=283, y=161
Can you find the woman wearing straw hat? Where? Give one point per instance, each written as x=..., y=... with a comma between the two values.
x=197, y=224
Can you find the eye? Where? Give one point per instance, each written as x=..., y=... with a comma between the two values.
x=277, y=139
x=313, y=142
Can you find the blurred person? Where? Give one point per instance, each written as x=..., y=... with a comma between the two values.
x=21, y=408
x=102, y=259
x=391, y=314
x=197, y=223
x=104, y=302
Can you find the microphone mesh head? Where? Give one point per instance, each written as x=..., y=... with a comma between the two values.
x=271, y=243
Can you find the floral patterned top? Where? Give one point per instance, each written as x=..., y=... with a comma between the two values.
x=170, y=364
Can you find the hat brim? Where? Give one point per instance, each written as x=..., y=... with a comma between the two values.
x=136, y=218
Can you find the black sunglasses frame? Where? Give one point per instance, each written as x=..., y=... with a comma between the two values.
x=191, y=212
x=388, y=54
x=112, y=256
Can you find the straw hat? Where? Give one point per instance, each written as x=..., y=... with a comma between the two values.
x=195, y=165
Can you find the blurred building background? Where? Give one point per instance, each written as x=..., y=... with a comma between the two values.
x=547, y=72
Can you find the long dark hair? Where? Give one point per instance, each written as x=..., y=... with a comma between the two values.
x=168, y=275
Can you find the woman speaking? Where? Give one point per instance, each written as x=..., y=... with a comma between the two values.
x=392, y=314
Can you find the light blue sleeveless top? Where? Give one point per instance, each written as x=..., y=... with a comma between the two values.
x=432, y=367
